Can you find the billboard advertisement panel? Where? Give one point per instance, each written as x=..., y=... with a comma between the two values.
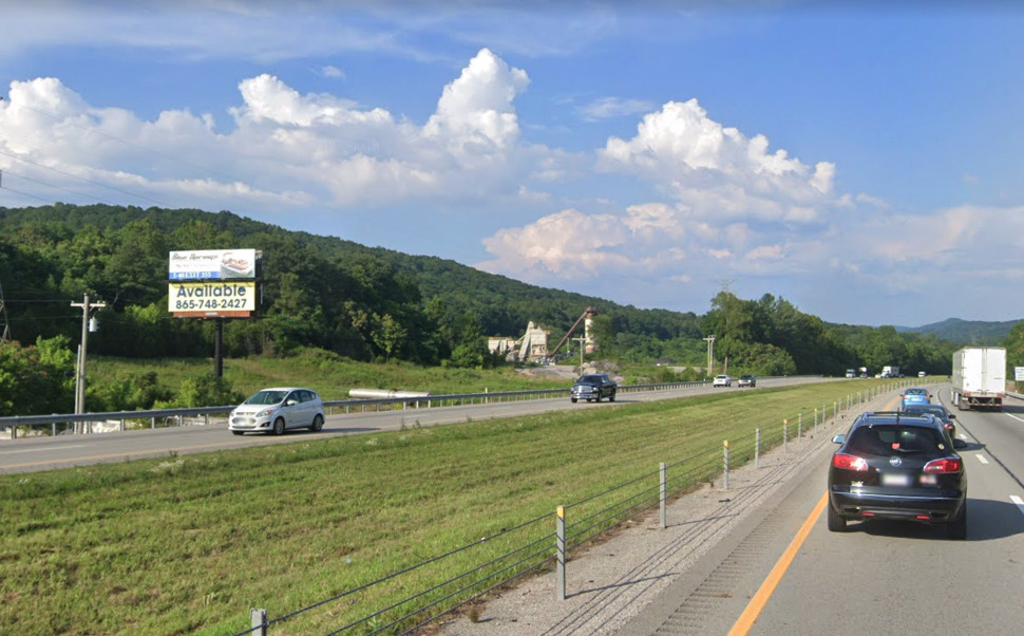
x=212, y=299
x=212, y=265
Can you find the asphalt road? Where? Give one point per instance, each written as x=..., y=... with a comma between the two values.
x=49, y=453
x=878, y=577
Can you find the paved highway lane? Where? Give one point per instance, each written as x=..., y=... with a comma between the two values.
x=768, y=578
x=909, y=579
x=48, y=453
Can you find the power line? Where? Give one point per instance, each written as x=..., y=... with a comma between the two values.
x=74, y=176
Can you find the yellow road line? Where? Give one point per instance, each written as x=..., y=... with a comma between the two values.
x=760, y=599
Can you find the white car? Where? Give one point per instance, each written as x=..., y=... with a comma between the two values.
x=277, y=410
x=722, y=380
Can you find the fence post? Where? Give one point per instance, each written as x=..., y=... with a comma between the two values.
x=725, y=446
x=785, y=434
x=757, y=448
x=560, y=550
x=664, y=497
x=799, y=427
x=258, y=622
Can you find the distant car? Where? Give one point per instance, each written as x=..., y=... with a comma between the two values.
x=891, y=465
x=921, y=374
x=593, y=387
x=851, y=373
x=721, y=380
x=747, y=379
x=915, y=395
x=277, y=410
x=938, y=411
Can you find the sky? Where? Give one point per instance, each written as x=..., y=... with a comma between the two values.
x=861, y=160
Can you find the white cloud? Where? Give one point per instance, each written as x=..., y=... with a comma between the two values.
x=728, y=198
x=609, y=107
x=335, y=151
x=333, y=72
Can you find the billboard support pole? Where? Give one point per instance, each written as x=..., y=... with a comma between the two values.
x=218, y=356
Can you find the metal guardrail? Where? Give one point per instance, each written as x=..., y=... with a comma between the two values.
x=158, y=418
x=411, y=599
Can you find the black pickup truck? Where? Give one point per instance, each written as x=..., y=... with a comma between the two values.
x=594, y=386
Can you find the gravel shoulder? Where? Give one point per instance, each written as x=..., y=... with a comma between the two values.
x=611, y=583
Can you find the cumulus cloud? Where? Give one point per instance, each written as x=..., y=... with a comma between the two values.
x=727, y=198
x=334, y=150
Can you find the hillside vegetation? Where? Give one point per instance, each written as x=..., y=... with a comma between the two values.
x=354, y=304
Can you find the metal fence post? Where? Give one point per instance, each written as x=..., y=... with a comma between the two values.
x=757, y=448
x=725, y=446
x=560, y=551
x=799, y=427
x=785, y=434
x=664, y=497
x=258, y=622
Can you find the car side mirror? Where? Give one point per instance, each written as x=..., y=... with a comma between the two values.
x=959, y=444
x=839, y=439
x=291, y=402
x=952, y=417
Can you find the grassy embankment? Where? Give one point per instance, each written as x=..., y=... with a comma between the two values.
x=332, y=376
x=186, y=545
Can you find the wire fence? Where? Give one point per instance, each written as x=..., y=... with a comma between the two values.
x=408, y=600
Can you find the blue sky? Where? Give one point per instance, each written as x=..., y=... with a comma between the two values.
x=859, y=159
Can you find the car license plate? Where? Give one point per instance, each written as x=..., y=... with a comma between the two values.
x=895, y=480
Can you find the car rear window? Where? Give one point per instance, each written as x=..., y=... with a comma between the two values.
x=887, y=440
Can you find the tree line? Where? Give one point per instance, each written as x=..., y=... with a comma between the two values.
x=367, y=304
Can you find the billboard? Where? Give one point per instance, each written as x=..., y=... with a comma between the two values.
x=212, y=283
x=212, y=265
x=212, y=298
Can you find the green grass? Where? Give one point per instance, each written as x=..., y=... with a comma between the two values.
x=334, y=376
x=187, y=544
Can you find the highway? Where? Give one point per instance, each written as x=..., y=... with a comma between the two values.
x=64, y=451
x=879, y=577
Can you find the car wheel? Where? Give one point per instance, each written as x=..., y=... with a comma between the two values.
x=237, y=432
x=957, y=529
x=598, y=398
x=279, y=426
x=573, y=400
x=318, y=424
x=611, y=398
x=835, y=522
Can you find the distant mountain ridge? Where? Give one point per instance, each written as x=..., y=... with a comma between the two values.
x=966, y=332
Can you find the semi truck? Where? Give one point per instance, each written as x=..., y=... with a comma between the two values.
x=979, y=378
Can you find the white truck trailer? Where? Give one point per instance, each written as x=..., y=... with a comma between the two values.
x=979, y=378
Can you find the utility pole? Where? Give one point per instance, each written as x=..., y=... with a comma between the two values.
x=711, y=355
x=80, y=373
x=582, y=340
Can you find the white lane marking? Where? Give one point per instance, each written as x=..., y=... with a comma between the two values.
x=1014, y=417
x=1020, y=502
x=981, y=458
x=39, y=450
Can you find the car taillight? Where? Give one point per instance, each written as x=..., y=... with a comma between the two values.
x=944, y=465
x=849, y=462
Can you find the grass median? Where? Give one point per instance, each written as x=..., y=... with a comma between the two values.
x=187, y=544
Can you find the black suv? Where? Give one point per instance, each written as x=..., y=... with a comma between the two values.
x=891, y=465
x=594, y=386
x=938, y=411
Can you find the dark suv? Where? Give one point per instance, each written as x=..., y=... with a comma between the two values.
x=891, y=465
x=593, y=386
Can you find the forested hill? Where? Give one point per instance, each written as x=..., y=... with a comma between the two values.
x=376, y=304
x=967, y=332
x=362, y=302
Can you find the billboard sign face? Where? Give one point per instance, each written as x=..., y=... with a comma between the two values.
x=212, y=265
x=211, y=299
